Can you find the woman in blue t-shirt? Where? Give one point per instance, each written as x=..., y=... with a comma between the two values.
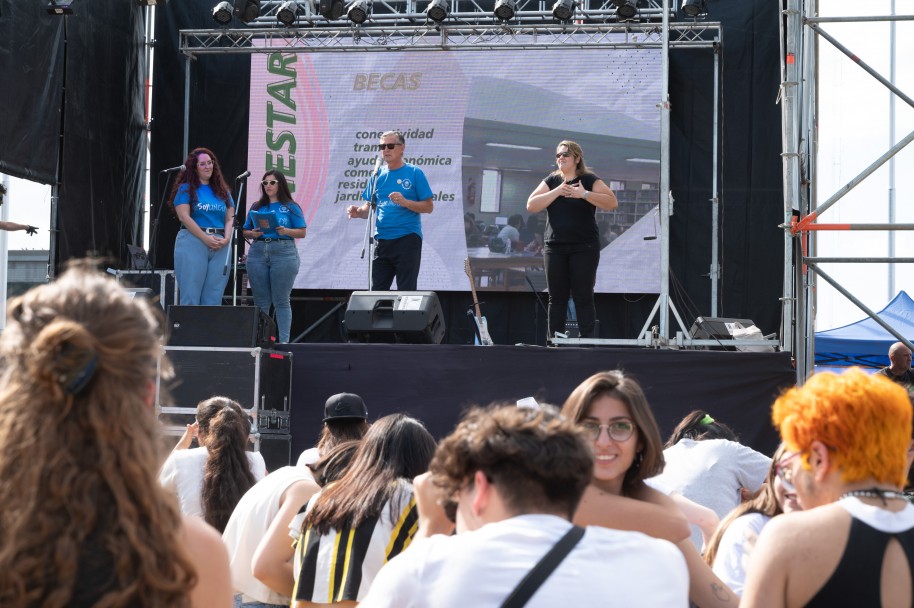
x=203, y=203
x=273, y=223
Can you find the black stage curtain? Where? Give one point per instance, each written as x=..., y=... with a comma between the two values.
x=750, y=164
x=219, y=105
x=102, y=173
x=435, y=383
x=31, y=78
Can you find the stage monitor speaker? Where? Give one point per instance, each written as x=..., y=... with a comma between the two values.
x=220, y=327
x=408, y=317
x=717, y=328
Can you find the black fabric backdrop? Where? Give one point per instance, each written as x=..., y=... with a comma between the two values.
x=31, y=73
x=751, y=194
x=100, y=49
x=435, y=383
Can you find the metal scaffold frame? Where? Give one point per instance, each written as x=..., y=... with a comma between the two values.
x=801, y=30
x=395, y=25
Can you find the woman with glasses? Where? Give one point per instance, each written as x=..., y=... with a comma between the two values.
x=571, y=195
x=612, y=409
x=729, y=547
x=203, y=203
x=273, y=223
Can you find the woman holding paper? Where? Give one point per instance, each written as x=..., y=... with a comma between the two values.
x=203, y=203
x=273, y=224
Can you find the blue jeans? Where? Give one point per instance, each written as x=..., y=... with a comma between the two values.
x=272, y=268
x=198, y=270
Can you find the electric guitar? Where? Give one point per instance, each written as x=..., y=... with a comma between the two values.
x=482, y=328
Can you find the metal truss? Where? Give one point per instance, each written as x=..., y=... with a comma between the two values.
x=447, y=37
x=801, y=32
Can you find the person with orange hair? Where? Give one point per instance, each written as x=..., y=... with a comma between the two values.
x=847, y=438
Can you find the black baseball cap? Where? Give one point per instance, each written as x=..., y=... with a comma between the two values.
x=345, y=405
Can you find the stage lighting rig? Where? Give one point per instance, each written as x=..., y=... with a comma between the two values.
x=563, y=10
x=331, y=9
x=626, y=9
x=288, y=12
x=694, y=8
x=437, y=10
x=222, y=12
x=60, y=7
x=358, y=11
x=504, y=9
x=247, y=10
x=152, y=2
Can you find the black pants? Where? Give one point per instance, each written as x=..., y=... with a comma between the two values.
x=571, y=270
x=396, y=257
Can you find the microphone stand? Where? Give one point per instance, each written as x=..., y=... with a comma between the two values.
x=154, y=232
x=369, y=228
x=232, y=249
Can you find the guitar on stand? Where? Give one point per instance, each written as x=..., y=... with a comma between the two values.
x=482, y=329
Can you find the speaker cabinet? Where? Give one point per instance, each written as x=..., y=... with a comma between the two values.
x=717, y=328
x=220, y=327
x=276, y=451
x=409, y=317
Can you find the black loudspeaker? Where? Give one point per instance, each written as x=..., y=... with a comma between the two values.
x=276, y=451
x=220, y=326
x=408, y=317
x=717, y=328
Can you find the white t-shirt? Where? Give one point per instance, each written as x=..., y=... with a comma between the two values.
x=309, y=456
x=509, y=234
x=182, y=473
x=249, y=524
x=479, y=569
x=711, y=473
x=735, y=548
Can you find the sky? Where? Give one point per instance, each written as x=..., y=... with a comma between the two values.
x=853, y=131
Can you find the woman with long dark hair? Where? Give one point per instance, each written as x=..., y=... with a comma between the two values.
x=614, y=411
x=203, y=203
x=273, y=261
x=211, y=479
x=355, y=525
x=571, y=195
x=84, y=522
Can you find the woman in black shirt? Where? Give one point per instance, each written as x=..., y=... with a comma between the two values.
x=570, y=195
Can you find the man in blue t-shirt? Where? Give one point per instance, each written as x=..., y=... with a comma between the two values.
x=402, y=193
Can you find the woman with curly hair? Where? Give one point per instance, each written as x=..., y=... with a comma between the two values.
x=210, y=480
x=203, y=203
x=83, y=521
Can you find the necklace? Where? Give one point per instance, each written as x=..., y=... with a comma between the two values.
x=874, y=493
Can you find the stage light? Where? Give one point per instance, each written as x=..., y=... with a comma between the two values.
x=331, y=9
x=504, y=9
x=694, y=8
x=358, y=11
x=626, y=9
x=151, y=2
x=222, y=13
x=60, y=7
x=437, y=10
x=247, y=10
x=288, y=12
x=563, y=9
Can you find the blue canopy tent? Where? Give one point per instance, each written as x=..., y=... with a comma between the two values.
x=866, y=343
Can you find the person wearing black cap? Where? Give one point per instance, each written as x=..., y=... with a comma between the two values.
x=345, y=418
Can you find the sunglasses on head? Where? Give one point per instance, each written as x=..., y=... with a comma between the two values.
x=388, y=146
x=269, y=182
x=562, y=154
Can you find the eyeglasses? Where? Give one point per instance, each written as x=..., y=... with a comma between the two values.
x=206, y=163
x=563, y=154
x=269, y=182
x=618, y=430
x=388, y=146
x=785, y=472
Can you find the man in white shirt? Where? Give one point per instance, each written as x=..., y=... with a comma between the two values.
x=517, y=476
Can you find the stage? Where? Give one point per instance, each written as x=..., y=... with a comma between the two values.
x=435, y=383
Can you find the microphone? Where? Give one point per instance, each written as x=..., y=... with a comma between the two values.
x=173, y=169
x=244, y=175
x=377, y=165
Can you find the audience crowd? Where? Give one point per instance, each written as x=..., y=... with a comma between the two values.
x=581, y=505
